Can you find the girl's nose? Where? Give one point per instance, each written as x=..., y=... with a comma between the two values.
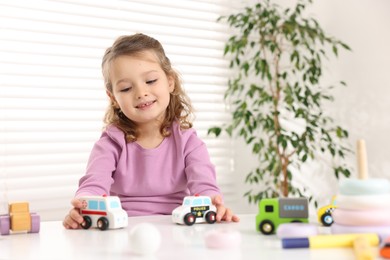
x=142, y=95
x=141, y=92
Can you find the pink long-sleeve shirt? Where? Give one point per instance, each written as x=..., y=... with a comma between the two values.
x=149, y=181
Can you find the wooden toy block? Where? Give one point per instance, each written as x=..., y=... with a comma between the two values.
x=19, y=219
x=18, y=207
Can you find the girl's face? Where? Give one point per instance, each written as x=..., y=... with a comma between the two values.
x=140, y=88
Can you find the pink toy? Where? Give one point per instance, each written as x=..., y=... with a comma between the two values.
x=292, y=230
x=223, y=239
x=364, y=202
x=361, y=217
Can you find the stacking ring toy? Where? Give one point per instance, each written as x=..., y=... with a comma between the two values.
x=291, y=230
x=361, y=217
x=223, y=239
x=364, y=202
x=364, y=187
x=382, y=231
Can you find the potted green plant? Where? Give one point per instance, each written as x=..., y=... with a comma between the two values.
x=276, y=96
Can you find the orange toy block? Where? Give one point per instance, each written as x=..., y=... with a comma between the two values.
x=20, y=216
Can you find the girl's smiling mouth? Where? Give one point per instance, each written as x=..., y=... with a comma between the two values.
x=145, y=105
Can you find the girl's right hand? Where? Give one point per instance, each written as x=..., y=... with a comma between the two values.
x=73, y=220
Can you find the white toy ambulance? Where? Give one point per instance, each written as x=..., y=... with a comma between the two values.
x=195, y=209
x=103, y=212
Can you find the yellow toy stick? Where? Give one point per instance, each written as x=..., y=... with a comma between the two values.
x=362, y=248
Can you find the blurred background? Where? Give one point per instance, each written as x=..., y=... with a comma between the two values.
x=52, y=97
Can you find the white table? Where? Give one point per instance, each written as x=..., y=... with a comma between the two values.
x=178, y=242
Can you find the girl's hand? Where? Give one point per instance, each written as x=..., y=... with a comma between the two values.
x=73, y=220
x=223, y=214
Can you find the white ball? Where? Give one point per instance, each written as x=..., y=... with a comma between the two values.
x=145, y=239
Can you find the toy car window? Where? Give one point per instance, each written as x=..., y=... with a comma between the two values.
x=186, y=202
x=197, y=202
x=114, y=205
x=207, y=201
x=93, y=204
x=102, y=205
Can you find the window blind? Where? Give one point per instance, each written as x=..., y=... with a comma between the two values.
x=52, y=97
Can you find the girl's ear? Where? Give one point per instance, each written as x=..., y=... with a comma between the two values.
x=112, y=98
x=171, y=83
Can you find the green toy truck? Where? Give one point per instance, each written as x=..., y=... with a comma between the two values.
x=273, y=212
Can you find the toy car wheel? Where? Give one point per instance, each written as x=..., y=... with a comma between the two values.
x=267, y=227
x=102, y=223
x=327, y=219
x=87, y=222
x=211, y=217
x=189, y=219
x=4, y=225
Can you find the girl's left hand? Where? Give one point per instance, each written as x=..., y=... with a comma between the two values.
x=223, y=213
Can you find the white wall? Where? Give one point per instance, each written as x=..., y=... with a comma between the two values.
x=362, y=107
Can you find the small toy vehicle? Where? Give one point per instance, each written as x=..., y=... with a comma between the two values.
x=325, y=213
x=19, y=219
x=195, y=209
x=103, y=212
x=273, y=212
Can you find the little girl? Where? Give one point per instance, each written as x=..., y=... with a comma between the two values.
x=148, y=155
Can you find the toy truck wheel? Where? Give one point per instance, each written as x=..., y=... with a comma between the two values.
x=4, y=225
x=267, y=227
x=327, y=219
x=35, y=223
x=87, y=222
x=189, y=219
x=211, y=217
x=102, y=223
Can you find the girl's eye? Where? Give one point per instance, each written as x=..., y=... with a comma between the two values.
x=125, y=89
x=151, y=81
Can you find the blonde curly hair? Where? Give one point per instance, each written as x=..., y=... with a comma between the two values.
x=179, y=108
